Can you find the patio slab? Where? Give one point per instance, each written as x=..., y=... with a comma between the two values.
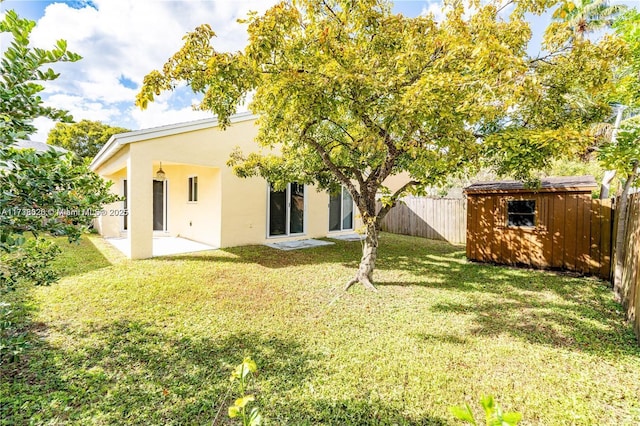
x=348, y=237
x=163, y=246
x=299, y=244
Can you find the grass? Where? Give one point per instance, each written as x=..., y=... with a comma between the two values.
x=153, y=342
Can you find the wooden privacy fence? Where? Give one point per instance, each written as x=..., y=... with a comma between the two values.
x=630, y=283
x=433, y=218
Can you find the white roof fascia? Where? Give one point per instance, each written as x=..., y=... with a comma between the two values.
x=116, y=142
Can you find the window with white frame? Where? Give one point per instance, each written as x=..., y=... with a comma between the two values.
x=193, y=189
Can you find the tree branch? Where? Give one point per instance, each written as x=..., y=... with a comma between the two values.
x=550, y=55
x=326, y=159
x=394, y=198
x=380, y=173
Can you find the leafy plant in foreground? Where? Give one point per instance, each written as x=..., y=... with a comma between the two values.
x=240, y=408
x=493, y=414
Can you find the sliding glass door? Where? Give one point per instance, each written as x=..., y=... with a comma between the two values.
x=286, y=210
x=340, y=211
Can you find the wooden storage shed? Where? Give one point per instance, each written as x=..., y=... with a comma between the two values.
x=556, y=226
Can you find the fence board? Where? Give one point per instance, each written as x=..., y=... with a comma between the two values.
x=585, y=257
x=605, y=238
x=630, y=286
x=594, y=252
x=433, y=218
x=570, y=237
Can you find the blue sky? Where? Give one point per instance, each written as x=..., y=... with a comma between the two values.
x=122, y=40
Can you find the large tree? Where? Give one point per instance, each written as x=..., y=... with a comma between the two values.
x=584, y=17
x=627, y=26
x=48, y=193
x=85, y=137
x=351, y=94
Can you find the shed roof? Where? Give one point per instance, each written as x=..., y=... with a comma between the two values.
x=550, y=184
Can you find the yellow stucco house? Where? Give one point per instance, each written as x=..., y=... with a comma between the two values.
x=199, y=198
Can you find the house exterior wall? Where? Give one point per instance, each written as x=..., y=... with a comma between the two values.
x=230, y=211
x=200, y=220
x=109, y=223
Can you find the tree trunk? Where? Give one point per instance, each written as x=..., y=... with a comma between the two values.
x=606, y=183
x=619, y=291
x=610, y=174
x=368, y=261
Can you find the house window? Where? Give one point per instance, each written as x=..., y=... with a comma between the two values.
x=521, y=213
x=340, y=210
x=286, y=210
x=193, y=189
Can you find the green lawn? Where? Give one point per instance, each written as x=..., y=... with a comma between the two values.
x=153, y=342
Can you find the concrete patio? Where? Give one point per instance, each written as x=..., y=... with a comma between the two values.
x=163, y=246
x=298, y=244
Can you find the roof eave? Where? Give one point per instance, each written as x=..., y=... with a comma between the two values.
x=117, y=142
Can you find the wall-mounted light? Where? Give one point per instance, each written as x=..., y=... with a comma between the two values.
x=160, y=174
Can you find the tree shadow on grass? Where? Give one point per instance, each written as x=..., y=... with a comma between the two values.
x=584, y=328
x=272, y=258
x=540, y=307
x=354, y=412
x=536, y=306
x=398, y=250
x=132, y=372
x=79, y=258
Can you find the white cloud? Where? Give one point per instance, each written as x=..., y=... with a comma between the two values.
x=160, y=113
x=44, y=125
x=437, y=9
x=129, y=38
x=80, y=108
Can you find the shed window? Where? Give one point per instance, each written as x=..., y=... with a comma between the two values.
x=521, y=213
x=193, y=189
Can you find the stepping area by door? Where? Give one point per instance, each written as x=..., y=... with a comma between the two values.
x=299, y=244
x=310, y=242
x=163, y=246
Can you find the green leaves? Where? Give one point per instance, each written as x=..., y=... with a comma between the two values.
x=623, y=155
x=242, y=374
x=357, y=94
x=20, y=71
x=493, y=414
x=84, y=138
x=43, y=193
x=627, y=27
x=48, y=192
x=244, y=369
x=463, y=413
